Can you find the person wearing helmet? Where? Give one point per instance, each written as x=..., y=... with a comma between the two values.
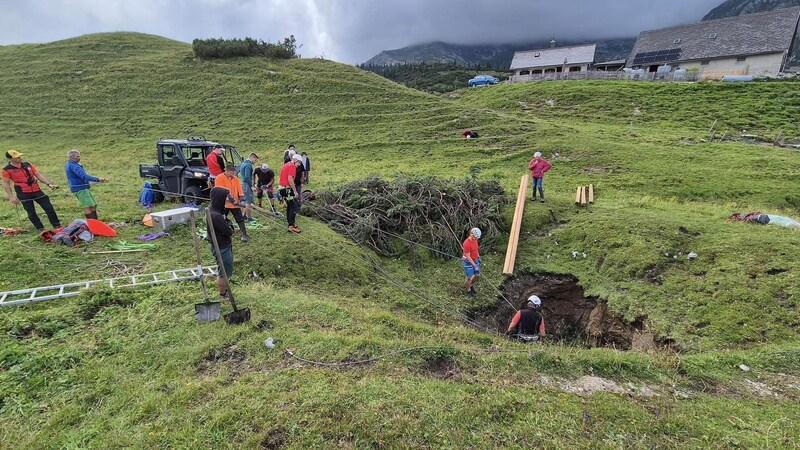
x=527, y=324
x=538, y=166
x=471, y=260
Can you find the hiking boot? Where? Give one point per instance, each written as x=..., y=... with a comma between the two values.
x=294, y=229
x=472, y=293
x=542, y=200
x=472, y=289
x=245, y=238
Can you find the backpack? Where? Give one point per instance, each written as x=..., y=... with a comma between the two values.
x=73, y=233
x=147, y=196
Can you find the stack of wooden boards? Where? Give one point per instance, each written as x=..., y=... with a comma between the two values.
x=584, y=195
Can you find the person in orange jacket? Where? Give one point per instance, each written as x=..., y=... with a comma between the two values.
x=230, y=181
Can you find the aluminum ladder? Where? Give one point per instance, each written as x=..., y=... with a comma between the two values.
x=40, y=294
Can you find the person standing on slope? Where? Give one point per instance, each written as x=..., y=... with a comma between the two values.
x=471, y=260
x=223, y=232
x=230, y=181
x=79, y=183
x=538, y=167
x=25, y=178
x=288, y=190
x=246, y=177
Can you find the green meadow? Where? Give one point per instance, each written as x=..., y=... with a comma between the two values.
x=133, y=369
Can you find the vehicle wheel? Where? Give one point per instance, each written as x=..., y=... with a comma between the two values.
x=158, y=196
x=193, y=195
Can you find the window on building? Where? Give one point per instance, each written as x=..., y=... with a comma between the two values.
x=712, y=36
x=575, y=69
x=537, y=71
x=559, y=69
x=676, y=41
x=705, y=62
x=549, y=70
x=741, y=58
x=524, y=72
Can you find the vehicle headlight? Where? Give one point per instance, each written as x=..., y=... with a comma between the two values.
x=199, y=174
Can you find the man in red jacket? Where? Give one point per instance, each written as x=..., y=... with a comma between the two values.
x=538, y=167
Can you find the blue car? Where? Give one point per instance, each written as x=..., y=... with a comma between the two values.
x=483, y=80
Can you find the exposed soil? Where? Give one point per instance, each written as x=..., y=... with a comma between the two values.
x=229, y=355
x=570, y=316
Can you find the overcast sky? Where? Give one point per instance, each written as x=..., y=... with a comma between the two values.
x=350, y=31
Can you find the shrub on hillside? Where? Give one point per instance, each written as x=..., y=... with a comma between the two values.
x=232, y=48
x=391, y=216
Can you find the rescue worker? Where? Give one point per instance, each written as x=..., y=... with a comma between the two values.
x=246, y=175
x=80, y=184
x=527, y=324
x=215, y=163
x=471, y=260
x=288, y=190
x=223, y=233
x=230, y=181
x=265, y=180
x=25, y=178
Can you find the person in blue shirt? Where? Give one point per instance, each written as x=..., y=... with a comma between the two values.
x=79, y=184
x=246, y=178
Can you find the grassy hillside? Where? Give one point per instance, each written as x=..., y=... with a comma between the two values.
x=114, y=369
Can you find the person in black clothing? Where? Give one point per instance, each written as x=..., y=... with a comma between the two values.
x=223, y=231
x=528, y=324
x=306, y=166
x=298, y=182
x=265, y=181
x=288, y=153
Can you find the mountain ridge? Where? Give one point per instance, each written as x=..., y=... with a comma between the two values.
x=499, y=56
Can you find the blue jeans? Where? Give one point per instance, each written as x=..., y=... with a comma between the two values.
x=537, y=184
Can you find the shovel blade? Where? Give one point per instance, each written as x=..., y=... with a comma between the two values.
x=237, y=317
x=207, y=312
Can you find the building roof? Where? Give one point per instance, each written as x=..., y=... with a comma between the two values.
x=752, y=34
x=547, y=57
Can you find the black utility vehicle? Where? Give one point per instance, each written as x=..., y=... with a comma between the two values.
x=181, y=170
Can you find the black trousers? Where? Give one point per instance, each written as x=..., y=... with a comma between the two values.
x=291, y=211
x=27, y=199
x=238, y=217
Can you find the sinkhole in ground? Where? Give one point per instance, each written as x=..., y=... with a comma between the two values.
x=570, y=316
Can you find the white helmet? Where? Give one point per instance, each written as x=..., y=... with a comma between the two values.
x=535, y=301
x=476, y=231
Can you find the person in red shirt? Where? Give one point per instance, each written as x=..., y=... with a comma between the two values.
x=528, y=324
x=472, y=260
x=228, y=180
x=215, y=162
x=25, y=178
x=538, y=167
x=288, y=190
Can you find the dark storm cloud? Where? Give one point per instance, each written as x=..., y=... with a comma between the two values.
x=348, y=31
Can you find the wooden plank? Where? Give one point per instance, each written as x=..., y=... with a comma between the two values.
x=516, y=225
x=591, y=194
x=583, y=196
x=578, y=195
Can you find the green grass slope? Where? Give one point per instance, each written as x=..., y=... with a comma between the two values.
x=132, y=369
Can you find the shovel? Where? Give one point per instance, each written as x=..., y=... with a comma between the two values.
x=238, y=315
x=207, y=311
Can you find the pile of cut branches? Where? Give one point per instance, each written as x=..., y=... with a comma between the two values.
x=391, y=217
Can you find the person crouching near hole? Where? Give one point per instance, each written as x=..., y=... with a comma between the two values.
x=288, y=190
x=528, y=323
x=229, y=181
x=472, y=260
x=223, y=232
